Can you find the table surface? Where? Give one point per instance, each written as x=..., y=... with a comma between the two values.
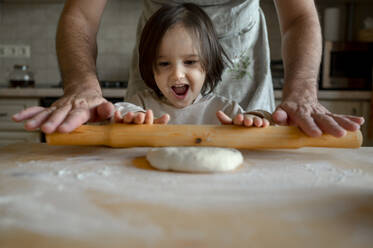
x=58, y=196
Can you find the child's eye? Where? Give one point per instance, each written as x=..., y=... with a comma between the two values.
x=163, y=64
x=190, y=62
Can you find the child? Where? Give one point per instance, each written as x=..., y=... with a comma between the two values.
x=181, y=61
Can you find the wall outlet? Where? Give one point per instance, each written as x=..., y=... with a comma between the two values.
x=15, y=51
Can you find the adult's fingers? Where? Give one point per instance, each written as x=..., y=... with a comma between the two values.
x=307, y=124
x=76, y=117
x=357, y=119
x=27, y=113
x=105, y=111
x=55, y=119
x=37, y=120
x=223, y=118
x=328, y=125
x=346, y=123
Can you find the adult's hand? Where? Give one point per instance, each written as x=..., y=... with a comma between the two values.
x=313, y=118
x=67, y=113
x=77, y=52
x=301, y=52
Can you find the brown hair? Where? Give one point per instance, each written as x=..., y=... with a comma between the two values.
x=194, y=19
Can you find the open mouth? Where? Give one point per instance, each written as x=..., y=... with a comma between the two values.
x=180, y=90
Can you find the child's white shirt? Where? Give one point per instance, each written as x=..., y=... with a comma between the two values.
x=202, y=111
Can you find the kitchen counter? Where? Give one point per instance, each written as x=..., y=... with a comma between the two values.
x=120, y=92
x=57, y=196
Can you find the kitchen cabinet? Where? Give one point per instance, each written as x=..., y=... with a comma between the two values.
x=18, y=137
x=10, y=131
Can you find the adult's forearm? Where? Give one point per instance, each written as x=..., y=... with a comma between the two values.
x=77, y=52
x=301, y=51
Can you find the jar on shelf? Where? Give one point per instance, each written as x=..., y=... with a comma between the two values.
x=21, y=76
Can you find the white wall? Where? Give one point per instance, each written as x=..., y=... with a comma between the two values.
x=35, y=25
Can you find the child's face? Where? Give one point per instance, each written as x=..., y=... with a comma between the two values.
x=178, y=71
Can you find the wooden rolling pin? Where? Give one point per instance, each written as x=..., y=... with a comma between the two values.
x=127, y=135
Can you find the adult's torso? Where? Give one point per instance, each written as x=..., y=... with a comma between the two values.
x=228, y=16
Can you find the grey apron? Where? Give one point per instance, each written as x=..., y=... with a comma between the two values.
x=241, y=28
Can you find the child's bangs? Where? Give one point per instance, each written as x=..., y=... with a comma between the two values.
x=199, y=43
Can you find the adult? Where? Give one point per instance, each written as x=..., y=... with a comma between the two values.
x=241, y=27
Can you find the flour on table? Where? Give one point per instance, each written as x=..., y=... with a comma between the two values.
x=194, y=159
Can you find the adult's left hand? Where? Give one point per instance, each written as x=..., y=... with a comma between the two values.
x=313, y=118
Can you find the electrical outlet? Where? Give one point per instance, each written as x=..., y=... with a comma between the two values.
x=15, y=51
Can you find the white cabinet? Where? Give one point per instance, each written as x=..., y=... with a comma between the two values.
x=10, y=131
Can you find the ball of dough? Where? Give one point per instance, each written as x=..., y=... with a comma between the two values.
x=195, y=159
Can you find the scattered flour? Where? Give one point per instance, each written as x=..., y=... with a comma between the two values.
x=43, y=195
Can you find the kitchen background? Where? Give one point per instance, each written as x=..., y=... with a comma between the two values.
x=33, y=23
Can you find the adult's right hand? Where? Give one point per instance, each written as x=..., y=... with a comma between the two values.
x=67, y=113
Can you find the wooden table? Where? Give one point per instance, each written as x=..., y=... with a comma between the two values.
x=55, y=196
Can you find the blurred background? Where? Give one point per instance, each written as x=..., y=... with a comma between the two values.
x=32, y=23
x=27, y=47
